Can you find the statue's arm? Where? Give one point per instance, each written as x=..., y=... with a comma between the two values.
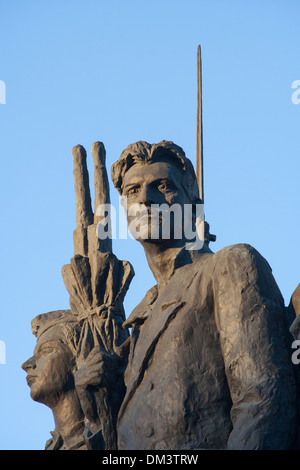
x=256, y=348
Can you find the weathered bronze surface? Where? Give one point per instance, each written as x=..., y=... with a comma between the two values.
x=207, y=363
x=203, y=362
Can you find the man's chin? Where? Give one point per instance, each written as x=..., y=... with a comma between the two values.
x=146, y=239
x=150, y=241
x=36, y=395
x=163, y=242
x=151, y=234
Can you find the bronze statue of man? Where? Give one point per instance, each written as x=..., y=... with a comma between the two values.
x=207, y=364
x=208, y=361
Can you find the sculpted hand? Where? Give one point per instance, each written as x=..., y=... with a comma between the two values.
x=99, y=370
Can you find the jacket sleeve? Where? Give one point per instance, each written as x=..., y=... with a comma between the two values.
x=254, y=339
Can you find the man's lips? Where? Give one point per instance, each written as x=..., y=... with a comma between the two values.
x=144, y=218
x=30, y=379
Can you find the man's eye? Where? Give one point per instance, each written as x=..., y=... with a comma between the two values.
x=131, y=191
x=47, y=350
x=165, y=186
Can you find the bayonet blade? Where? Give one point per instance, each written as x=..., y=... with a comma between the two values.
x=199, y=149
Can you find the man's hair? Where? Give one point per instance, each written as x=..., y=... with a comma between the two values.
x=142, y=152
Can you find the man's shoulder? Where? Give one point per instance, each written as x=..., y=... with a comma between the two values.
x=240, y=255
x=232, y=259
x=239, y=249
x=241, y=267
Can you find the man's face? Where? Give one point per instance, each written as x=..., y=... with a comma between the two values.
x=49, y=369
x=147, y=187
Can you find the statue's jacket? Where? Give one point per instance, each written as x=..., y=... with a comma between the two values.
x=210, y=360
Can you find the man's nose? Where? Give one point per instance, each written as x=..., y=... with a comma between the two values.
x=29, y=364
x=146, y=196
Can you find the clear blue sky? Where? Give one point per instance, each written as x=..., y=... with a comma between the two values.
x=122, y=71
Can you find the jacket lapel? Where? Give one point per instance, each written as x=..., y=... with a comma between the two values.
x=147, y=328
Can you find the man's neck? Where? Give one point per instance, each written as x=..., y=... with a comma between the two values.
x=164, y=260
